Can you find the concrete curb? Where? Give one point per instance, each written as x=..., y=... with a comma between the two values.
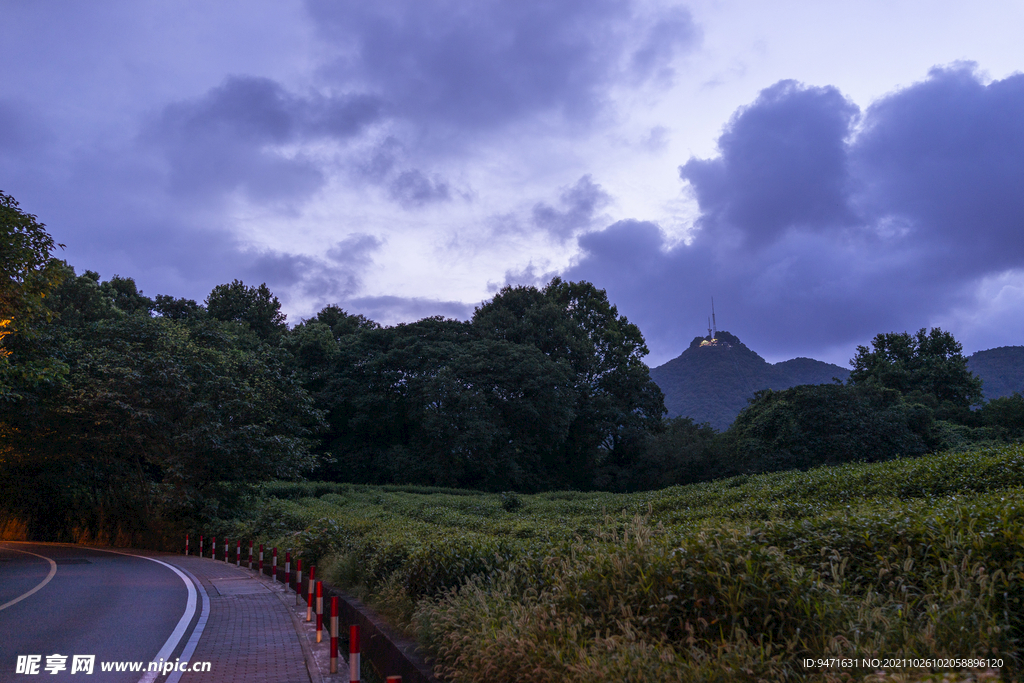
x=388, y=652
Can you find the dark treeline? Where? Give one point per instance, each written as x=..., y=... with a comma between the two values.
x=123, y=416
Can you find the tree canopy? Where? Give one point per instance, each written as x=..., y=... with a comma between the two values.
x=541, y=389
x=28, y=273
x=928, y=364
x=255, y=307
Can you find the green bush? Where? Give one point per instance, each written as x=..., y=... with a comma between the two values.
x=726, y=580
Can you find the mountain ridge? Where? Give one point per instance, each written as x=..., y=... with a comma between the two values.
x=711, y=381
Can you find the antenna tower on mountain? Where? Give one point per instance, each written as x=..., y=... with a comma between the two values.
x=714, y=324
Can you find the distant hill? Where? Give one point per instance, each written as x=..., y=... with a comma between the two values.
x=711, y=381
x=1001, y=370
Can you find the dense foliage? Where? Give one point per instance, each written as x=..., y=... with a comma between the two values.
x=738, y=579
x=28, y=273
x=927, y=366
x=152, y=420
x=826, y=424
x=541, y=389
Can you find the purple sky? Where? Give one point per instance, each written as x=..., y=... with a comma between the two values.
x=825, y=172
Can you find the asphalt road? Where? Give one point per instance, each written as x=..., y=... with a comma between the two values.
x=88, y=602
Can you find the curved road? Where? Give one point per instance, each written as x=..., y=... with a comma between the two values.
x=71, y=600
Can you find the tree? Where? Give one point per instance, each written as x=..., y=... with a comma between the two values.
x=177, y=309
x=154, y=417
x=927, y=364
x=255, y=307
x=342, y=323
x=616, y=402
x=28, y=273
x=28, y=270
x=1005, y=413
x=126, y=296
x=683, y=452
x=431, y=403
x=825, y=424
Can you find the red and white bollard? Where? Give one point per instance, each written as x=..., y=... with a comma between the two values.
x=319, y=611
x=261, y=558
x=238, y=554
x=186, y=544
x=200, y=545
x=287, y=569
x=213, y=547
x=250, y=555
x=334, y=635
x=309, y=593
x=353, y=654
x=298, y=581
x=273, y=565
x=227, y=550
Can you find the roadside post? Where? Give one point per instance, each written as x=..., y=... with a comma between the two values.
x=334, y=635
x=319, y=611
x=353, y=654
x=309, y=593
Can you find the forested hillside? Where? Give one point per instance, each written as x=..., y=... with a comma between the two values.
x=712, y=382
x=1001, y=370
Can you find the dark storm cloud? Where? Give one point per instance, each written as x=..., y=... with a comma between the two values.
x=815, y=233
x=944, y=160
x=482, y=64
x=230, y=138
x=336, y=276
x=577, y=206
x=783, y=164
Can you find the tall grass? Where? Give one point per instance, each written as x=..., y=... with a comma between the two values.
x=741, y=579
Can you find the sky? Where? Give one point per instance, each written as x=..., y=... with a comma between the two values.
x=825, y=171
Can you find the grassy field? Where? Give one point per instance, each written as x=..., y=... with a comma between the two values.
x=740, y=579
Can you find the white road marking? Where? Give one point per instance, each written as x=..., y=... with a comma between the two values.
x=193, y=641
x=179, y=631
x=53, y=570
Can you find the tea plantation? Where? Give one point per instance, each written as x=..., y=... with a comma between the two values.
x=742, y=579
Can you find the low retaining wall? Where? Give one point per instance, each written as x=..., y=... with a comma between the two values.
x=387, y=651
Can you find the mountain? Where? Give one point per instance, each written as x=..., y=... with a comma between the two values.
x=1001, y=370
x=712, y=380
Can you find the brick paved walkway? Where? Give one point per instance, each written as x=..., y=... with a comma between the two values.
x=251, y=633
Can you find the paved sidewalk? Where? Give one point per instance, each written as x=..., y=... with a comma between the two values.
x=252, y=633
